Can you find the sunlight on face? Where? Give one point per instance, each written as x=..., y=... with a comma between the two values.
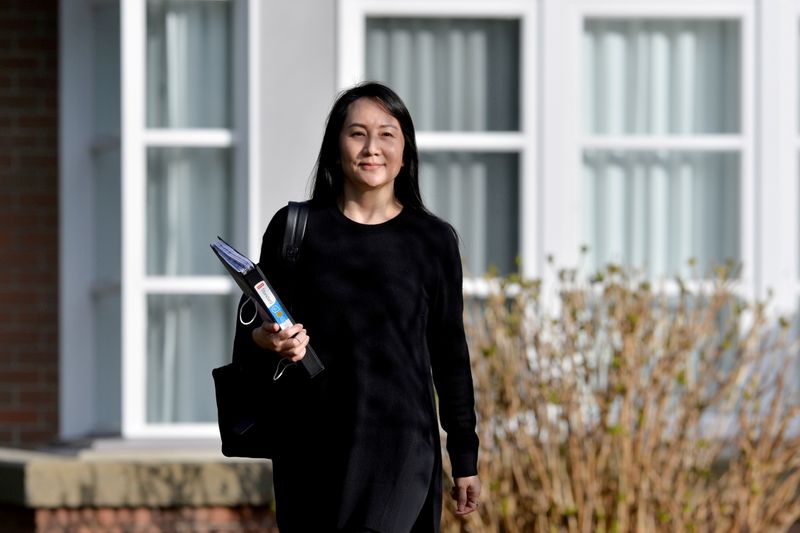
x=371, y=146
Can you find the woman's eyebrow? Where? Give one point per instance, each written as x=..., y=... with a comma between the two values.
x=360, y=125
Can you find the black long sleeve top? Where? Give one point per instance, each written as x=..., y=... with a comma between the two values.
x=383, y=307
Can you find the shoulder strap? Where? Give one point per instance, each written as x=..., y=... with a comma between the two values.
x=296, y=219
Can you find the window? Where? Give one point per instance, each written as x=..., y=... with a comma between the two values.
x=184, y=181
x=651, y=166
x=463, y=72
x=164, y=146
x=657, y=208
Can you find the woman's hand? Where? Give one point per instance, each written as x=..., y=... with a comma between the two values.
x=289, y=343
x=466, y=493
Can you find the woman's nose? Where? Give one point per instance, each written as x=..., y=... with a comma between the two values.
x=371, y=145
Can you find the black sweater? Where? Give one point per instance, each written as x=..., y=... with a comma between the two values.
x=383, y=307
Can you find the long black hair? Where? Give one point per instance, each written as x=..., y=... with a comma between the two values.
x=328, y=182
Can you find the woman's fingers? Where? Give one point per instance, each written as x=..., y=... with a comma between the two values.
x=291, y=342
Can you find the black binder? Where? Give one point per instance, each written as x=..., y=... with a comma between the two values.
x=254, y=285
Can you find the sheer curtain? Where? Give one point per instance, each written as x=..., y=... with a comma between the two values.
x=459, y=75
x=188, y=64
x=189, y=201
x=189, y=198
x=456, y=186
x=187, y=336
x=655, y=210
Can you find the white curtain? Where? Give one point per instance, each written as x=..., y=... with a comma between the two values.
x=459, y=75
x=654, y=211
x=189, y=202
x=189, y=198
x=659, y=77
x=477, y=194
x=187, y=336
x=188, y=64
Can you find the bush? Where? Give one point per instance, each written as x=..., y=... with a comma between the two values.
x=617, y=407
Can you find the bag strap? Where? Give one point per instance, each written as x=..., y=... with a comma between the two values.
x=296, y=219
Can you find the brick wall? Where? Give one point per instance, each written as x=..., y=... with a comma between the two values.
x=241, y=519
x=28, y=222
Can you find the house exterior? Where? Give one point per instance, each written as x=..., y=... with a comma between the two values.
x=136, y=131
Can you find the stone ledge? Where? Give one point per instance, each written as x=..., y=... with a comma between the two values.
x=129, y=478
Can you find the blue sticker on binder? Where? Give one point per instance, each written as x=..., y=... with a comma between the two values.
x=278, y=313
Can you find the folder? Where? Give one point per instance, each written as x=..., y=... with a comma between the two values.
x=254, y=284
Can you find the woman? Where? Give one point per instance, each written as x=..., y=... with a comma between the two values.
x=378, y=288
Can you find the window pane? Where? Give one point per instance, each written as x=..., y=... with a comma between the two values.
x=477, y=194
x=656, y=210
x=188, y=64
x=662, y=76
x=189, y=202
x=453, y=74
x=187, y=336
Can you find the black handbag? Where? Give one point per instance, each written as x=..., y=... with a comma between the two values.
x=245, y=398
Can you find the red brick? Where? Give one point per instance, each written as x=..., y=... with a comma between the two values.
x=38, y=436
x=38, y=396
x=19, y=376
x=142, y=516
x=17, y=416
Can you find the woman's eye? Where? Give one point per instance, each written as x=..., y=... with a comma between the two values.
x=357, y=134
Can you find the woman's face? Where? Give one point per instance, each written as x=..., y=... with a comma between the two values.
x=370, y=146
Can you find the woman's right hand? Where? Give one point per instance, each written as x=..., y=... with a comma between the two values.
x=289, y=343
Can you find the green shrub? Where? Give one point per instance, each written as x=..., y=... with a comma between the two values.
x=617, y=407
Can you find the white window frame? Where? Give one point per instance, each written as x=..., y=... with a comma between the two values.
x=351, y=32
x=781, y=22
x=136, y=139
x=562, y=197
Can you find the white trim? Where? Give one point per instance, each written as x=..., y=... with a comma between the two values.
x=561, y=205
x=177, y=430
x=478, y=142
x=350, y=42
x=253, y=194
x=134, y=318
x=528, y=205
x=684, y=143
x=750, y=191
x=672, y=9
x=241, y=120
x=76, y=201
x=188, y=285
x=784, y=256
x=440, y=8
x=199, y=138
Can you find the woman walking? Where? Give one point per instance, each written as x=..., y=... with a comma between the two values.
x=378, y=289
